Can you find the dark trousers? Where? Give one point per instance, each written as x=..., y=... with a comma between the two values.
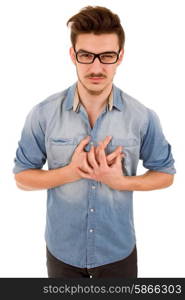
x=125, y=268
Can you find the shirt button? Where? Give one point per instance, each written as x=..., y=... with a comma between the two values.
x=93, y=187
x=92, y=209
x=91, y=230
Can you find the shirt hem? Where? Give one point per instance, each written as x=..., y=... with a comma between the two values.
x=92, y=265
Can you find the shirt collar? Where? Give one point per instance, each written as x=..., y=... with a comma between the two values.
x=73, y=101
x=76, y=102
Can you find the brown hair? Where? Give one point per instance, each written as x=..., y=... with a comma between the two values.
x=96, y=20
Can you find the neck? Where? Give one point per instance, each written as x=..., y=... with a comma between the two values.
x=93, y=102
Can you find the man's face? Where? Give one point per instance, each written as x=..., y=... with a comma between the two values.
x=96, y=77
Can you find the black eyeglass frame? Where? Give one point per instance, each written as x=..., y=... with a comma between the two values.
x=96, y=55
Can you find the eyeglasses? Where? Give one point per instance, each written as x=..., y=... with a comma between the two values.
x=109, y=57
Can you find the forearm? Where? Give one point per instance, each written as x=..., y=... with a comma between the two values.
x=35, y=179
x=151, y=180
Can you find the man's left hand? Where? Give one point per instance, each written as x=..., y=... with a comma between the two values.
x=112, y=175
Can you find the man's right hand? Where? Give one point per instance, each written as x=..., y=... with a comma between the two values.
x=80, y=157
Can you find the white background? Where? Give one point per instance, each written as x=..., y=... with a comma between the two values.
x=35, y=63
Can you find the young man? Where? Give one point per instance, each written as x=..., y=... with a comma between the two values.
x=92, y=135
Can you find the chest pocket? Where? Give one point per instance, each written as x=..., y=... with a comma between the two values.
x=61, y=151
x=125, y=143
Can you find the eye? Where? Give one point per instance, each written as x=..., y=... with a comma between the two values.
x=85, y=55
x=108, y=56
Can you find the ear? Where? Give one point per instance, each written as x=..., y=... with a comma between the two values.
x=72, y=54
x=120, y=56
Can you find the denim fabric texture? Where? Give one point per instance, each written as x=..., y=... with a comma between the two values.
x=89, y=224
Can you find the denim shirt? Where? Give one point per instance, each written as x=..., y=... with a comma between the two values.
x=89, y=224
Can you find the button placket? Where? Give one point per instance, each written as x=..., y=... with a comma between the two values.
x=91, y=230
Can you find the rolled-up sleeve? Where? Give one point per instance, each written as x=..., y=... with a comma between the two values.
x=31, y=152
x=155, y=150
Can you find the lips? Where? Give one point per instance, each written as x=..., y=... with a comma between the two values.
x=96, y=78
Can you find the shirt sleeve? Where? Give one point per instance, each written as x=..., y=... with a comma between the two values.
x=155, y=150
x=31, y=152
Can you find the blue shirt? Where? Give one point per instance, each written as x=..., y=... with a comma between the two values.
x=89, y=224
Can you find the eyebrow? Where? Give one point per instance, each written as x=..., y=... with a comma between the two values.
x=84, y=50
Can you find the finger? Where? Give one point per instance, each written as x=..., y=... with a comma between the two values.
x=87, y=168
x=83, y=174
x=116, y=162
x=114, y=154
x=91, y=158
x=82, y=144
x=105, y=142
x=102, y=157
x=118, y=159
x=110, y=163
x=100, y=144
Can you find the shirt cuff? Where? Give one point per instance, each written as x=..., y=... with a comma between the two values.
x=169, y=170
x=18, y=168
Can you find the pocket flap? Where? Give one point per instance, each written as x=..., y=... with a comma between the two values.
x=130, y=142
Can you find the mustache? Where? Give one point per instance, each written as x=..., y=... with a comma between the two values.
x=92, y=75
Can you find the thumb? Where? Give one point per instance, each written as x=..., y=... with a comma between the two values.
x=82, y=144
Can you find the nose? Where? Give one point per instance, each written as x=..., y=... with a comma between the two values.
x=96, y=66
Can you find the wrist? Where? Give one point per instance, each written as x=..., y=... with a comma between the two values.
x=131, y=183
x=72, y=173
x=123, y=183
x=117, y=183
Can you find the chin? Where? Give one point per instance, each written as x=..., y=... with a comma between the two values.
x=95, y=88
